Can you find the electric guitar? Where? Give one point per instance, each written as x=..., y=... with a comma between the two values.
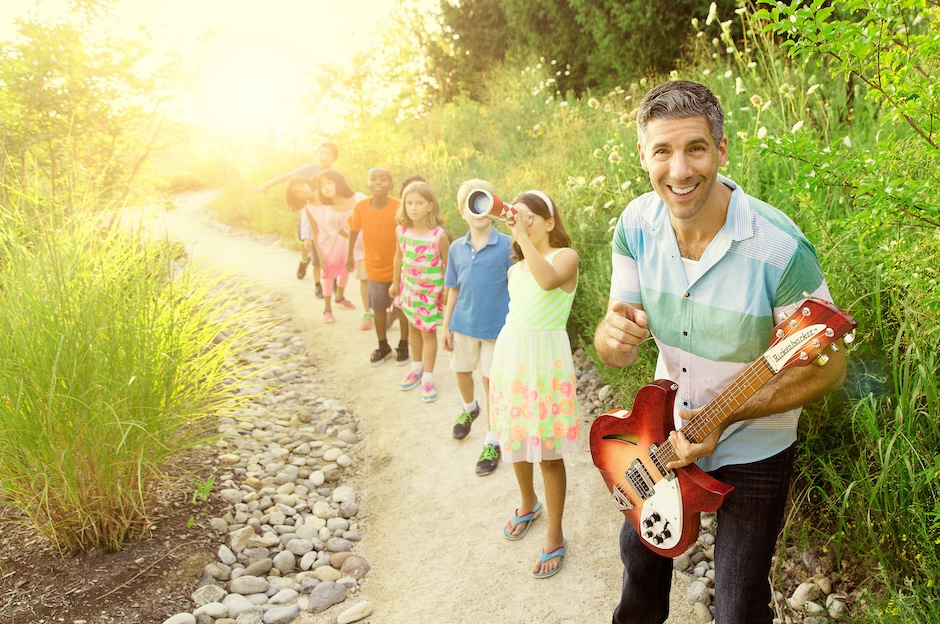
x=631, y=447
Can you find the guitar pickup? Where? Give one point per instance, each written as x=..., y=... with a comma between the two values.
x=654, y=457
x=640, y=479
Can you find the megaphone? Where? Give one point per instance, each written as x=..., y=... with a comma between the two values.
x=484, y=204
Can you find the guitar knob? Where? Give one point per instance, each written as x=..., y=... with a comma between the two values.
x=666, y=534
x=649, y=534
x=822, y=359
x=648, y=522
x=655, y=517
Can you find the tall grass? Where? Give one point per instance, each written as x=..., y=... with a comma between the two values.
x=112, y=356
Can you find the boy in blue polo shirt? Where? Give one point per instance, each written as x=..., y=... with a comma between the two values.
x=477, y=286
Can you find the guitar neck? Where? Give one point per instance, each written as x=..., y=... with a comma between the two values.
x=721, y=407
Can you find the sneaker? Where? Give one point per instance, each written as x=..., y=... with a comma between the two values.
x=462, y=426
x=319, y=291
x=402, y=356
x=488, y=460
x=380, y=355
x=366, y=323
x=429, y=392
x=302, y=269
x=411, y=380
x=328, y=317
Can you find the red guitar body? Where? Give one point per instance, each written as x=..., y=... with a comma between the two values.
x=620, y=439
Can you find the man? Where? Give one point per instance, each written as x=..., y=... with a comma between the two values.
x=706, y=270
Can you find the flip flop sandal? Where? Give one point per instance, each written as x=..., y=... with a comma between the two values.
x=527, y=518
x=558, y=553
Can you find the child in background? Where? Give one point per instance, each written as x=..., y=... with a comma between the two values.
x=418, y=281
x=330, y=224
x=477, y=302
x=532, y=383
x=376, y=217
x=327, y=154
x=298, y=194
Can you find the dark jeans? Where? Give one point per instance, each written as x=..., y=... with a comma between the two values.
x=748, y=523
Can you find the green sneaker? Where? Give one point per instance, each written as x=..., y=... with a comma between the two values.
x=462, y=426
x=488, y=460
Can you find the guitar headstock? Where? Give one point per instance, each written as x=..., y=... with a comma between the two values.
x=803, y=337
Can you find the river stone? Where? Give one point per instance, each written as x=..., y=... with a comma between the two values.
x=281, y=615
x=355, y=613
x=208, y=593
x=181, y=618
x=246, y=585
x=325, y=595
x=215, y=610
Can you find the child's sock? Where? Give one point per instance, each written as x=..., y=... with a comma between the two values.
x=491, y=438
x=418, y=367
x=427, y=377
x=469, y=407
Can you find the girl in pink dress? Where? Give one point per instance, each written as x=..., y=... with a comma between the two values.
x=330, y=224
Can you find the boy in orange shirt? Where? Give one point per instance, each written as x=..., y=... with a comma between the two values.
x=375, y=217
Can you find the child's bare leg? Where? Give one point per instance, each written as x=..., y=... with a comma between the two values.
x=465, y=386
x=556, y=480
x=523, y=470
x=416, y=343
x=364, y=294
x=429, y=341
x=381, y=323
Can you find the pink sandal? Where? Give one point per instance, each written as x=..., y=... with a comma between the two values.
x=328, y=317
x=346, y=303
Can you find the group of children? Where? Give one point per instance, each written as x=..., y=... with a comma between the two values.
x=500, y=303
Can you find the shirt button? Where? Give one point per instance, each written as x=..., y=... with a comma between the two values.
x=685, y=370
x=685, y=333
x=686, y=295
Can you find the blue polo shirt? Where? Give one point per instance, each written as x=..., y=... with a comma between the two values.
x=712, y=318
x=483, y=279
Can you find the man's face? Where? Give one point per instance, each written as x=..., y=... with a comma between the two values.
x=379, y=182
x=683, y=161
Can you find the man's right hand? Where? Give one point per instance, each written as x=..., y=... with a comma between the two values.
x=620, y=333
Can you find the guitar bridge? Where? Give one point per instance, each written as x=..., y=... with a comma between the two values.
x=640, y=479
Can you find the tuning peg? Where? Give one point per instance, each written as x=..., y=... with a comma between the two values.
x=822, y=359
x=834, y=347
x=848, y=338
x=806, y=311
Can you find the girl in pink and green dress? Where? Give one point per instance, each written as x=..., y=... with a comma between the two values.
x=418, y=281
x=533, y=403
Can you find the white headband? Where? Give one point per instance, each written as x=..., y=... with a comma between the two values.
x=544, y=198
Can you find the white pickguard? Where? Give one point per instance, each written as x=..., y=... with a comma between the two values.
x=661, y=516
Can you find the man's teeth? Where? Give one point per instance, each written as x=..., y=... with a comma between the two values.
x=682, y=191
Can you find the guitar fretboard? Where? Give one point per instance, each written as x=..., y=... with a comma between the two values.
x=718, y=409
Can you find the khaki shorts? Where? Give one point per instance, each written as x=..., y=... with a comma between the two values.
x=470, y=352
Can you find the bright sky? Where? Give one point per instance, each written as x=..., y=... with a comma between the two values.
x=268, y=47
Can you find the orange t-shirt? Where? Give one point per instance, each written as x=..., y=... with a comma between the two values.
x=377, y=229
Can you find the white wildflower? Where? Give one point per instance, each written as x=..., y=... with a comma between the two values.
x=761, y=132
x=593, y=103
x=812, y=89
x=739, y=85
x=625, y=185
x=757, y=100
x=847, y=141
x=598, y=181
x=614, y=158
x=712, y=14
x=796, y=127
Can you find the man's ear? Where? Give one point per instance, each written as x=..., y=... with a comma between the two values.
x=639, y=149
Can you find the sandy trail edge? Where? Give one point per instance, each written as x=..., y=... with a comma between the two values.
x=432, y=528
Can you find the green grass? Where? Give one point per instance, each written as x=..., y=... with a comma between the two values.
x=113, y=355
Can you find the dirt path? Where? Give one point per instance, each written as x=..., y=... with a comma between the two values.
x=432, y=528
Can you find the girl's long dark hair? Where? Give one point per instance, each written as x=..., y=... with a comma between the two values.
x=342, y=186
x=557, y=237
